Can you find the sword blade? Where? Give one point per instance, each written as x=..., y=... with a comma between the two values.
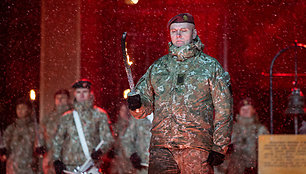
x=126, y=65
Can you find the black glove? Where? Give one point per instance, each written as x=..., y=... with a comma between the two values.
x=230, y=149
x=96, y=155
x=3, y=151
x=40, y=150
x=215, y=158
x=136, y=161
x=134, y=102
x=59, y=166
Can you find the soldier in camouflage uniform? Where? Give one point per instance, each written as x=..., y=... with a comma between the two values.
x=132, y=143
x=49, y=125
x=67, y=149
x=189, y=94
x=302, y=129
x=244, y=139
x=19, y=139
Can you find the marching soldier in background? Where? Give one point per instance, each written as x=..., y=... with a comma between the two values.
x=246, y=130
x=302, y=129
x=132, y=143
x=68, y=149
x=19, y=140
x=143, y=141
x=49, y=125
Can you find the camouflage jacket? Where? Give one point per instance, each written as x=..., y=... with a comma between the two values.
x=66, y=144
x=244, y=138
x=183, y=89
x=48, y=128
x=132, y=136
x=19, y=140
x=49, y=125
x=143, y=139
x=302, y=129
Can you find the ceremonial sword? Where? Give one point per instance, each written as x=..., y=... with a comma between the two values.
x=126, y=65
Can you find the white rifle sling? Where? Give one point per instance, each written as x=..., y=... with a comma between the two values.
x=81, y=134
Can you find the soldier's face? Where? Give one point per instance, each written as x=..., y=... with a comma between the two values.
x=61, y=100
x=22, y=111
x=123, y=112
x=182, y=33
x=82, y=94
x=247, y=111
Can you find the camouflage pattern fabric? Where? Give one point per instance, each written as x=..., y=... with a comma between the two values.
x=131, y=136
x=143, y=139
x=124, y=146
x=302, y=129
x=244, y=139
x=184, y=89
x=66, y=144
x=49, y=125
x=176, y=161
x=19, y=140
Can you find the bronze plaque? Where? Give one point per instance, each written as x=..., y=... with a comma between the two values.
x=282, y=154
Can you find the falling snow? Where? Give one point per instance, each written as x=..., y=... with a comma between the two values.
x=243, y=36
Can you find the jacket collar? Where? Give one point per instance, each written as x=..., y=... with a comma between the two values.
x=187, y=51
x=83, y=106
x=24, y=121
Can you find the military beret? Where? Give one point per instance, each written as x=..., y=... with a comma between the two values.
x=83, y=83
x=246, y=101
x=181, y=18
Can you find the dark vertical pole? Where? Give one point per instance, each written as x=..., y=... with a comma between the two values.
x=271, y=88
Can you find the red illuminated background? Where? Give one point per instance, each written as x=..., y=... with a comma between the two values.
x=243, y=35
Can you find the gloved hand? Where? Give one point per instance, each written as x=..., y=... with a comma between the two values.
x=59, y=166
x=136, y=161
x=96, y=155
x=230, y=149
x=134, y=102
x=40, y=150
x=215, y=158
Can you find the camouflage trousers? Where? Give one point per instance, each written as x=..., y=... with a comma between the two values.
x=178, y=161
